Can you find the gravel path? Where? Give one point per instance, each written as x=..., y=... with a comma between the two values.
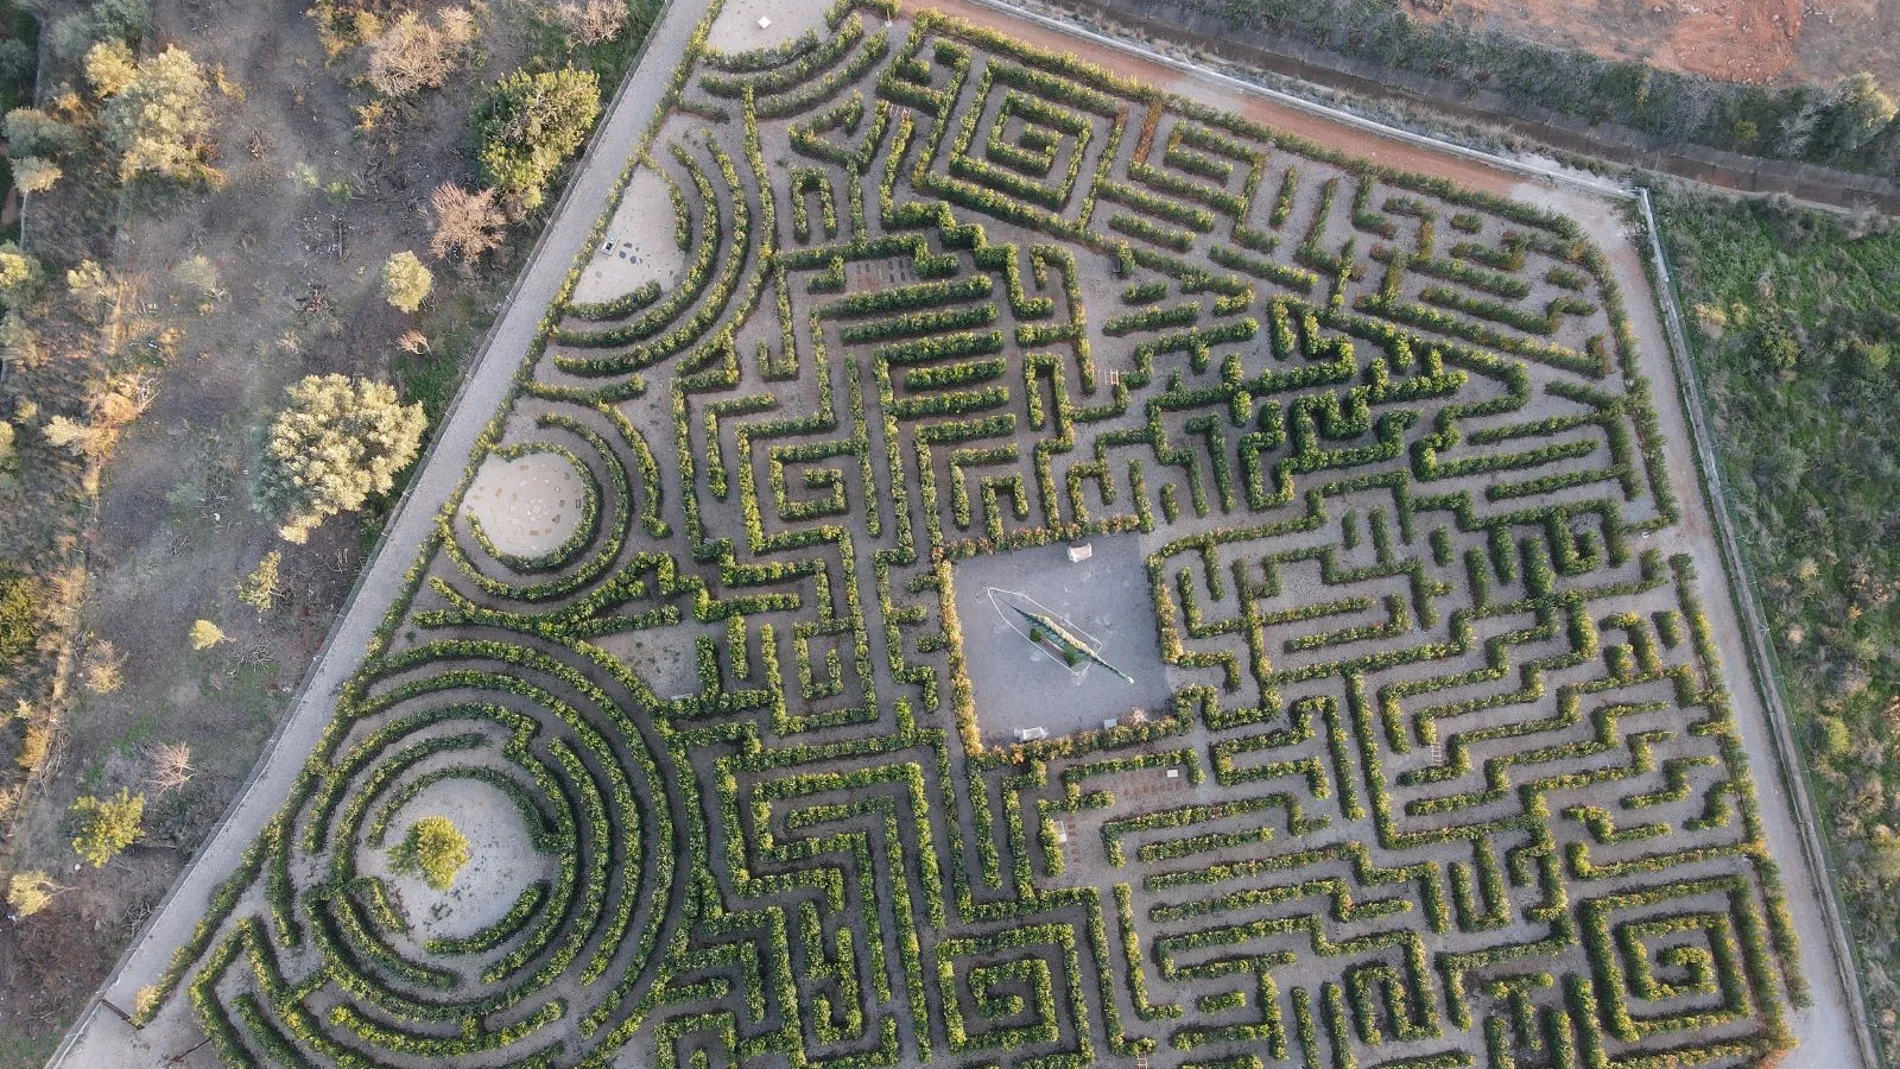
x=101, y=1037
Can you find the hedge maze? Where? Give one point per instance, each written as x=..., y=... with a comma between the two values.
x=1447, y=777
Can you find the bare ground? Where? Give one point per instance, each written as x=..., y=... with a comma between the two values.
x=1755, y=42
x=310, y=210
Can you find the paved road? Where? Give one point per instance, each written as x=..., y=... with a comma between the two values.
x=101, y=1037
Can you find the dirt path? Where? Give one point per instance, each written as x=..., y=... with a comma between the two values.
x=101, y=1038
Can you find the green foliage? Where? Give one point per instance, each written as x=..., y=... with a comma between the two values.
x=159, y=119
x=34, y=175
x=434, y=849
x=32, y=132
x=119, y=21
x=338, y=442
x=1402, y=567
x=528, y=126
x=406, y=282
x=104, y=827
x=20, y=275
x=22, y=616
x=259, y=590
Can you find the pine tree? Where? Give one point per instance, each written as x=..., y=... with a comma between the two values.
x=406, y=283
x=106, y=826
x=339, y=441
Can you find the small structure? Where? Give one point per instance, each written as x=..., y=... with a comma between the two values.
x=1035, y=734
x=764, y=23
x=1080, y=552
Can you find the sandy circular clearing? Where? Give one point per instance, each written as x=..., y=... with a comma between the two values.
x=502, y=864
x=639, y=247
x=530, y=505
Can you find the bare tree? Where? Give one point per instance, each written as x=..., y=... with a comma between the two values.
x=412, y=55
x=591, y=22
x=171, y=767
x=466, y=223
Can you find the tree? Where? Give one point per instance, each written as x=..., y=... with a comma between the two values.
x=19, y=343
x=16, y=60
x=121, y=20
x=205, y=634
x=103, y=668
x=106, y=826
x=22, y=618
x=466, y=224
x=412, y=55
x=171, y=767
x=1853, y=114
x=406, y=283
x=259, y=589
x=529, y=125
x=20, y=275
x=339, y=441
x=35, y=175
x=111, y=68
x=32, y=132
x=159, y=120
x=93, y=289
x=590, y=22
x=435, y=849
x=29, y=892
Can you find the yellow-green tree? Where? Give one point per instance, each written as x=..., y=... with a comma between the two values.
x=205, y=634
x=259, y=590
x=29, y=892
x=106, y=826
x=158, y=117
x=435, y=849
x=339, y=441
x=406, y=283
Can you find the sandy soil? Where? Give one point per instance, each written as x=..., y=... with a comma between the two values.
x=502, y=861
x=529, y=506
x=1758, y=42
x=1019, y=686
x=738, y=28
x=639, y=246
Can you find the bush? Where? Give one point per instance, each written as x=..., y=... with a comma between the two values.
x=339, y=441
x=22, y=616
x=159, y=119
x=406, y=283
x=32, y=132
x=529, y=125
x=106, y=826
x=34, y=175
x=205, y=634
x=435, y=849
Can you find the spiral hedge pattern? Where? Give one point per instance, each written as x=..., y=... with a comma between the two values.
x=1448, y=776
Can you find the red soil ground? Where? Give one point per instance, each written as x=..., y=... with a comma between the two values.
x=1758, y=42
